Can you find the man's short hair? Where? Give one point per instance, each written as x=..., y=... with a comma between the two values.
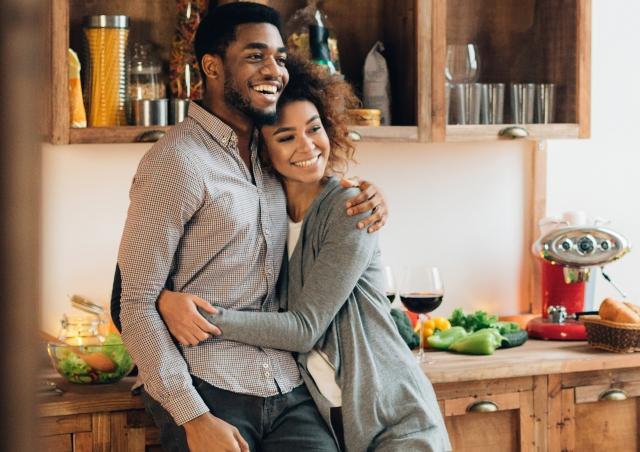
x=218, y=28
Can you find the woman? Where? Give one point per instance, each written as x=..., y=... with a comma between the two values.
x=351, y=355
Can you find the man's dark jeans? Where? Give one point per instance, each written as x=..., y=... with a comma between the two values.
x=273, y=424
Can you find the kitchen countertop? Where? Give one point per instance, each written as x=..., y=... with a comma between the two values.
x=534, y=357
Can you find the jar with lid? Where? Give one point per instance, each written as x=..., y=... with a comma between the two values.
x=145, y=74
x=105, y=69
x=80, y=330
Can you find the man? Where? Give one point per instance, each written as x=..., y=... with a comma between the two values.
x=205, y=219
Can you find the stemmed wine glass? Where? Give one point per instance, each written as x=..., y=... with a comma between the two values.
x=421, y=292
x=463, y=63
x=461, y=70
x=390, y=288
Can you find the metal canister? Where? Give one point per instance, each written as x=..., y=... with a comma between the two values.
x=105, y=75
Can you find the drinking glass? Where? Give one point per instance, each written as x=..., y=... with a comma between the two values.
x=421, y=292
x=463, y=63
x=390, y=287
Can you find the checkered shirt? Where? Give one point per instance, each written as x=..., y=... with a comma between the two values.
x=197, y=219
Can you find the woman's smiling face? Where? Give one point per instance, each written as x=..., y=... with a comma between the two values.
x=297, y=144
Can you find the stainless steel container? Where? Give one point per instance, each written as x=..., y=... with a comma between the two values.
x=178, y=109
x=545, y=103
x=105, y=69
x=149, y=112
x=522, y=102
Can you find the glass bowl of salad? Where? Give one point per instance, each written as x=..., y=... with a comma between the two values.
x=106, y=362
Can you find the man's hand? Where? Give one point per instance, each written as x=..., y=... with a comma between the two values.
x=369, y=199
x=208, y=433
x=180, y=313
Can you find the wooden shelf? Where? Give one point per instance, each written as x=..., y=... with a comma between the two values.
x=492, y=132
x=519, y=41
x=125, y=134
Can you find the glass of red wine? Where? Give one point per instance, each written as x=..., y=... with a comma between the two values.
x=421, y=292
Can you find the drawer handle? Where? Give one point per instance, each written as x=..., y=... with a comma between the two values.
x=613, y=394
x=483, y=406
x=150, y=137
x=514, y=132
x=354, y=136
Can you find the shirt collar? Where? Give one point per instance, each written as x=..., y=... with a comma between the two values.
x=216, y=127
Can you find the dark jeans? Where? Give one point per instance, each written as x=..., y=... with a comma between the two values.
x=273, y=424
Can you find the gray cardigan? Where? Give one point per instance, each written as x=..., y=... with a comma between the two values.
x=336, y=303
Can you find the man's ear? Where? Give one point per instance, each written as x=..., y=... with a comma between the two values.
x=211, y=66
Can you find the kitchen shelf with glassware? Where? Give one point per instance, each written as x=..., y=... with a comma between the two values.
x=517, y=41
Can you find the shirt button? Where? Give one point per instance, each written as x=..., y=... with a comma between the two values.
x=266, y=233
x=265, y=365
x=267, y=374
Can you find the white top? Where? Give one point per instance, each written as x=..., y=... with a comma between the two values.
x=318, y=366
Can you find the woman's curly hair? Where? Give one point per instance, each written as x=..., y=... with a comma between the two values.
x=331, y=96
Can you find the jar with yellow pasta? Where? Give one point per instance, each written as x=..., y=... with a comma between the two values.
x=105, y=76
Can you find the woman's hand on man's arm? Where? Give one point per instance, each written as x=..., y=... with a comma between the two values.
x=369, y=199
x=180, y=313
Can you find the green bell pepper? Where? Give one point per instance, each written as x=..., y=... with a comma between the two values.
x=441, y=340
x=482, y=342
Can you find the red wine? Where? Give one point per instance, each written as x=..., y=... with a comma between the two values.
x=391, y=296
x=421, y=302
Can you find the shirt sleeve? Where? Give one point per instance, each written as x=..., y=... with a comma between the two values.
x=165, y=194
x=344, y=255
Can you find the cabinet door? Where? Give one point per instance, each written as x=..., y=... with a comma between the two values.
x=503, y=422
x=517, y=41
x=602, y=417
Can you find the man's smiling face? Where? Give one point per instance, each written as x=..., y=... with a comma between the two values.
x=255, y=72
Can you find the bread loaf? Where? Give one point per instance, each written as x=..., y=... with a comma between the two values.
x=615, y=311
x=634, y=307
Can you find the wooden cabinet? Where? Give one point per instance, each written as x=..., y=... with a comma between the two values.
x=519, y=40
x=104, y=418
x=596, y=411
x=482, y=416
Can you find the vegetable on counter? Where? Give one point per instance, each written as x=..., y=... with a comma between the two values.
x=514, y=339
x=432, y=326
x=403, y=324
x=442, y=340
x=483, y=342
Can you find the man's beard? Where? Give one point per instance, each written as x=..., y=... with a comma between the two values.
x=233, y=97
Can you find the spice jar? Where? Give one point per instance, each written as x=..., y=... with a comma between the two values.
x=80, y=330
x=145, y=74
x=105, y=72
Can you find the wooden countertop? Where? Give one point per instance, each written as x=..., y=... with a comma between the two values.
x=535, y=357
x=78, y=399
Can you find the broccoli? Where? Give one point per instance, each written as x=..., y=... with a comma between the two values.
x=403, y=324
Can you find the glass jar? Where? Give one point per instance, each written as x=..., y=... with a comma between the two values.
x=145, y=74
x=105, y=72
x=80, y=330
x=185, y=81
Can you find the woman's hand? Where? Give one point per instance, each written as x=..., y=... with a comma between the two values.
x=369, y=199
x=180, y=313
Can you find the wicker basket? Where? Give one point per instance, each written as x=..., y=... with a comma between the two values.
x=612, y=336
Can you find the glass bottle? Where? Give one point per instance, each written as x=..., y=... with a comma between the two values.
x=309, y=34
x=185, y=81
x=145, y=74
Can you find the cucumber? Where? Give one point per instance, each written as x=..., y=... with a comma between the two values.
x=514, y=339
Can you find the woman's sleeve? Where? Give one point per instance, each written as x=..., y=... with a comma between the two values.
x=344, y=255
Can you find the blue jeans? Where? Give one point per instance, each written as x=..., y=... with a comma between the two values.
x=269, y=424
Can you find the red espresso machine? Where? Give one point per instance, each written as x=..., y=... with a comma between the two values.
x=567, y=256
